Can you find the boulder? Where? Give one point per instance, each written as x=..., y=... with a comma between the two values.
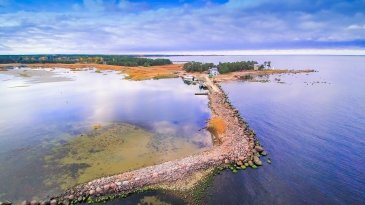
x=259, y=149
x=239, y=163
x=25, y=203
x=34, y=202
x=250, y=163
x=125, y=183
x=45, y=203
x=98, y=190
x=113, y=186
x=106, y=187
x=257, y=161
x=53, y=202
x=92, y=192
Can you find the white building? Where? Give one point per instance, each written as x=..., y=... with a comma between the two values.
x=214, y=71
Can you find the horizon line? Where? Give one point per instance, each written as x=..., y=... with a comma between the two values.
x=338, y=52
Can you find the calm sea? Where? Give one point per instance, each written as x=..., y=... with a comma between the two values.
x=313, y=127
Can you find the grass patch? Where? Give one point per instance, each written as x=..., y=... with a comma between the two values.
x=217, y=126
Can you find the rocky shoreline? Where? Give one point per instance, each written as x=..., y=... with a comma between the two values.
x=237, y=145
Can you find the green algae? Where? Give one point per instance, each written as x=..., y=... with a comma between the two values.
x=109, y=150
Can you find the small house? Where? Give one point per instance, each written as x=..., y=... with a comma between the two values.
x=188, y=78
x=213, y=71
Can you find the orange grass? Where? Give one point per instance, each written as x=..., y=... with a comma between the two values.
x=217, y=125
x=134, y=73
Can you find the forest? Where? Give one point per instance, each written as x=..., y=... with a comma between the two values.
x=121, y=60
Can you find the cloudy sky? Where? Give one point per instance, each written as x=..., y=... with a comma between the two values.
x=181, y=26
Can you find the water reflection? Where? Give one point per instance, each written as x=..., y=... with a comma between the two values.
x=37, y=116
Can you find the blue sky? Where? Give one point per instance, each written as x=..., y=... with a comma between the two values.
x=182, y=26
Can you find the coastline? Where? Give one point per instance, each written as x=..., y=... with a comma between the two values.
x=237, y=145
x=134, y=73
x=158, y=72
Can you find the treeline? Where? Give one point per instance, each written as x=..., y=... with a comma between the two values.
x=70, y=59
x=236, y=66
x=197, y=66
x=225, y=67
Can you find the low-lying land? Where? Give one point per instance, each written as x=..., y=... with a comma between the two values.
x=252, y=74
x=134, y=73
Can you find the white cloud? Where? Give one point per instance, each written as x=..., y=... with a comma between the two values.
x=94, y=27
x=356, y=27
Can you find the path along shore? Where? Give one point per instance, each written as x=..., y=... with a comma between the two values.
x=235, y=145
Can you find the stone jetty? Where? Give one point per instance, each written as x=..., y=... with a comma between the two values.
x=236, y=145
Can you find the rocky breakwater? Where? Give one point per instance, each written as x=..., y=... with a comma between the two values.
x=237, y=145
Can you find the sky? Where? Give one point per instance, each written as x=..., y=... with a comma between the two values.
x=181, y=26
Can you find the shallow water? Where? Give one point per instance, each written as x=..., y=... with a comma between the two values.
x=313, y=127
x=47, y=114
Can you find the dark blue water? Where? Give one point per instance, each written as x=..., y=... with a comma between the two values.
x=313, y=127
x=315, y=134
